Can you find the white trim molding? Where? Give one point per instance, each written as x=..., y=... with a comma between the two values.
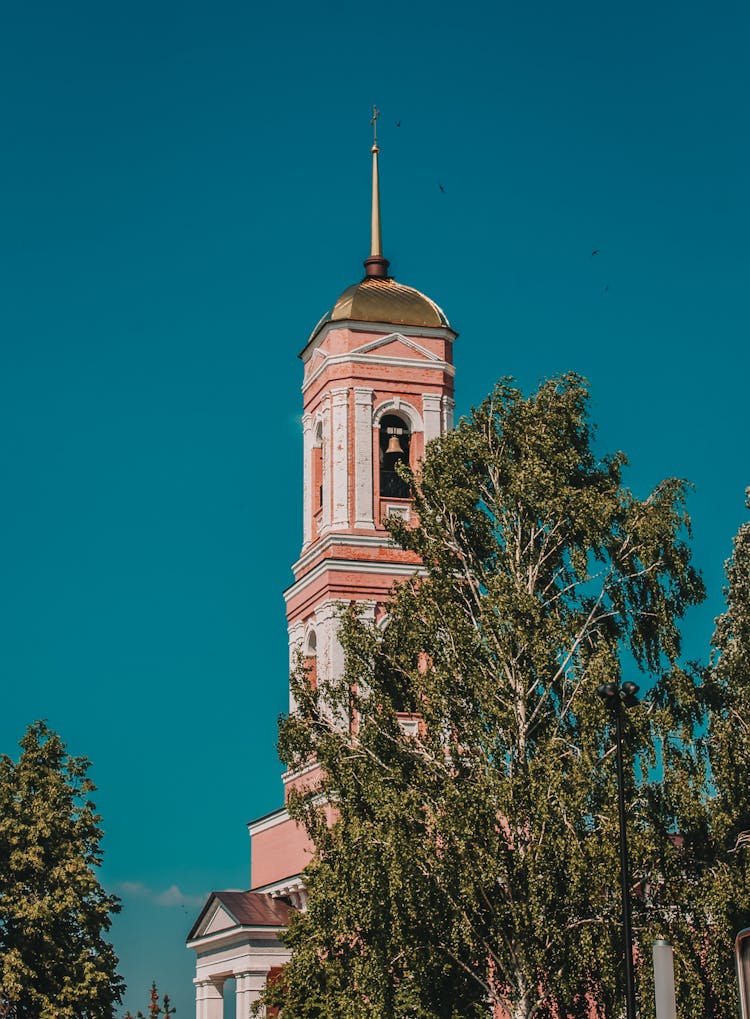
x=272, y=820
x=352, y=566
x=324, y=327
x=363, y=476
x=307, y=446
x=352, y=540
x=398, y=406
x=380, y=359
x=431, y=406
x=340, y=456
x=383, y=341
x=449, y=406
x=325, y=415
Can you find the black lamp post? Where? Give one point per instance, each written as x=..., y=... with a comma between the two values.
x=615, y=697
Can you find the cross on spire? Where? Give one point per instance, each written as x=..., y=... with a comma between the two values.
x=374, y=123
x=376, y=267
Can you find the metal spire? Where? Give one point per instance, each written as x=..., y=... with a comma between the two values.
x=376, y=267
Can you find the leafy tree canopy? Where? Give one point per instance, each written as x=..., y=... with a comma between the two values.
x=55, y=962
x=724, y=891
x=475, y=860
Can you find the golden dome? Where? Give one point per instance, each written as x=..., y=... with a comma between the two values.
x=378, y=297
x=383, y=300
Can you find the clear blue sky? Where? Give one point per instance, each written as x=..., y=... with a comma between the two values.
x=183, y=192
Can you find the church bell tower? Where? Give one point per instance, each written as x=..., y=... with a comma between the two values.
x=377, y=386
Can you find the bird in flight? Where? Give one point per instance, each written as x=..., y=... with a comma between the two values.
x=594, y=252
x=441, y=188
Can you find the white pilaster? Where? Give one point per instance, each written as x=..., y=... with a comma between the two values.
x=448, y=408
x=431, y=414
x=296, y=636
x=307, y=444
x=363, y=479
x=340, y=456
x=330, y=652
x=326, y=625
x=325, y=519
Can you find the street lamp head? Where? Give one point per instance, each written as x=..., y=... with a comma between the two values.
x=612, y=694
x=608, y=692
x=629, y=694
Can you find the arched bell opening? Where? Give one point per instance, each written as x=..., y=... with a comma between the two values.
x=395, y=442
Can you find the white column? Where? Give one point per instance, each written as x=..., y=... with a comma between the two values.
x=431, y=414
x=363, y=478
x=448, y=408
x=242, y=996
x=325, y=413
x=250, y=986
x=209, y=999
x=199, y=985
x=340, y=456
x=307, y=478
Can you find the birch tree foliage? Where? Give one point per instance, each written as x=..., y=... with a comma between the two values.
x=725, y=885
x=730, y=715
x=55, y=961
x=482, y=850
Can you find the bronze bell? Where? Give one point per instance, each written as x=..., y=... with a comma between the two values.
x=394, y=446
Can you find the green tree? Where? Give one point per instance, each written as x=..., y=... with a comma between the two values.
x=54, y=958
x=725, y=851
x=475, y=861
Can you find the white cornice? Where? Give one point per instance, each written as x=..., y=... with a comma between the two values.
x=324, y=328
x=287, y=886
x=381, y=359
x=235, y=935
x=351, y=566
x=336, y=538
x=279, y=816
x=294, y=773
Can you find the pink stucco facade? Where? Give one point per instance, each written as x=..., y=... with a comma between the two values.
x=354, y=374
x=278, y=853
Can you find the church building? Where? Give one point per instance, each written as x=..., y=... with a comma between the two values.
x=377, y=386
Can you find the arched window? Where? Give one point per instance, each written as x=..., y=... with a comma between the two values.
x=311, y=659
x=395, y=439
x=382, y=618
x=317, y=478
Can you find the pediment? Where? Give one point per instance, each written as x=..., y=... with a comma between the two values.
x=318, y=356
x=220, y=921
x=216, y=918
x=232, y=910
x=396, y=345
